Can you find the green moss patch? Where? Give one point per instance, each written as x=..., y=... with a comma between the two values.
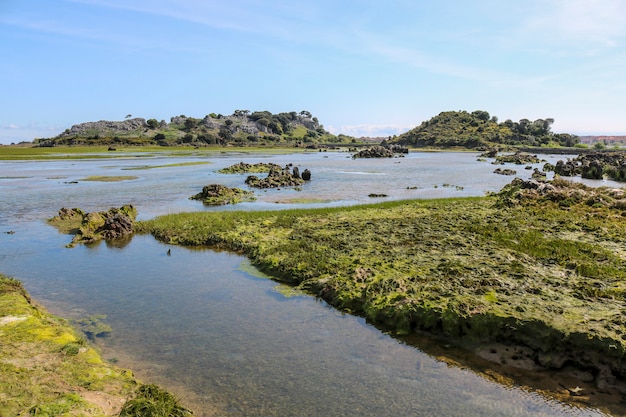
x=474, y=270
x=105, y=178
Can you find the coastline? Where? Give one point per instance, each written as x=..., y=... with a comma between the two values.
x=48, y=368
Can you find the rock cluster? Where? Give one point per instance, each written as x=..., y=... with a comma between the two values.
x=505, y=171
x=565, y=193
x=381, y=151
x=518, y=158
x=242, y=167
x=105, y=126
x=280, y=177
x=219, y=195
x=91, y=227
x=594, y=165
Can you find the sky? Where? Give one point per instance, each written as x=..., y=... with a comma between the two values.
x=362, y=67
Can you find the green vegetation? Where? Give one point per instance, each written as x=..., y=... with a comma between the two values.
x=219, y=195
x=90, y=227
x=479, y=130
x=98, y=152
x=181, y=164
x=243, y=128
x=243, y=168
x=48, y=369
x=109, y=178
x=152, y=401
x=547, y=274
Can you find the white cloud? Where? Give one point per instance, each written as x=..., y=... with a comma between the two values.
x=373, y=131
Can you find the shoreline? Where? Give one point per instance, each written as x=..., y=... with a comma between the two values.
x=47, y=367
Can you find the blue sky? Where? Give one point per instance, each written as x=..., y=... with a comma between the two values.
x=362, y=67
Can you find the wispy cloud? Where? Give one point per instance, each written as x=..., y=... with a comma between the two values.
x=580, y=23
x=367, y=130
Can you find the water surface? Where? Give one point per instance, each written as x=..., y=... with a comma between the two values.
x=206, y=325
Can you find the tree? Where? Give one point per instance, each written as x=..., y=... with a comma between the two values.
x=241, y=113
x=190, y=123
x=152, y=123
x=481, y=115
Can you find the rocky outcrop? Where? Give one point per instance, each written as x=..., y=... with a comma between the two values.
x=105, y=127
x=517, y=158
x=563, y=192
x=505, y=171
x=381, y=151
x=219, y=195
x=567, y=168
x=91, y=227
x=278, y=177
x=242, y=168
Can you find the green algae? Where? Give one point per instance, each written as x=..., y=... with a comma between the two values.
x=48, y=369
x=243, y=168
x=116, y=223
x=219, y=195
x=181, y=164
x=469, y=269
x=110, y=178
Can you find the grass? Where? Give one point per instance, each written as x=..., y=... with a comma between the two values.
x=547, y=277
x=102, y=152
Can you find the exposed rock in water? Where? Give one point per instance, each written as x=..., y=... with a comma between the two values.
x=381, y=151
x=563, y=192
x=280, y=177
x=91, y=227
x=242, y=168
x=567, y=168
x=505, y=171
x=518, y=158
x=218, y=195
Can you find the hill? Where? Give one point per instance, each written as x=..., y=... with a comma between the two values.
x=242, y=128
x=479, y=129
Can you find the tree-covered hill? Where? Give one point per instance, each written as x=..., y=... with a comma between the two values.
x=242, y=128
x=480, y=129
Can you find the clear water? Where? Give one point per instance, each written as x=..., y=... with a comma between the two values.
x=206, y=325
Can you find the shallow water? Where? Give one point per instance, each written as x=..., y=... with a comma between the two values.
x=209, y=327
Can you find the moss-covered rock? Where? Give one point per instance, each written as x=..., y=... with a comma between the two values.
x=279, y=177
x=91, y=227
x=218, y=195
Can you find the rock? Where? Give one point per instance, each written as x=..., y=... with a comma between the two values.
x=518, y=158
x=538, y=175
x=91, y=227
x=566, y=169
x=387, y=151
x=279, y=178
x=105, y=127
x=592, y=169
x=505, y=171
x=218, y=195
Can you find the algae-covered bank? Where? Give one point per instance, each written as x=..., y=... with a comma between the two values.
x=48, y=369
x=539, y=266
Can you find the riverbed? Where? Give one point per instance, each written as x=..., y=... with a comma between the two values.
x=208, y=326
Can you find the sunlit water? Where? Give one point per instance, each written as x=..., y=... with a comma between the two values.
x=205, y=325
